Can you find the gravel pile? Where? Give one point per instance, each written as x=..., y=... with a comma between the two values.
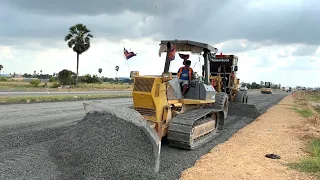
x=104, y=146
x=95, y=149
x=243, y=110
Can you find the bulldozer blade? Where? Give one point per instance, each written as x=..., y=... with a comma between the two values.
x=130, y=115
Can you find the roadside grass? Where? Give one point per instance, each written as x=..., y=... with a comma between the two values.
x=35, y=99
x=105, y=86
x=305, y=112
x=309, y=164
x=26, y=86
x=313, y=96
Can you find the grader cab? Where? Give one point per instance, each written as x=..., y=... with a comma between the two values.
x=223, y=76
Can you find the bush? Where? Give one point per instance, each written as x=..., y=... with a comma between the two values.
x=35, y=82
x=55, y=85
x=3, y=79
x=90, y=79
x=53, y=79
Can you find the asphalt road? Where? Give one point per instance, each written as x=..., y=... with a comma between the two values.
x=50, y=93
x=27, y=131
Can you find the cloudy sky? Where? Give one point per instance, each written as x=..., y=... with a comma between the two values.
x=275, y=40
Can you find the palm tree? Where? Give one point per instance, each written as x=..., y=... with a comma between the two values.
x=79, y=40
x=1, y=67
x=41, y=71
x=100, y=71
x=117, y=69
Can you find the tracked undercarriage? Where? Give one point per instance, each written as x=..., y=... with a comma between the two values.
x=199, y=126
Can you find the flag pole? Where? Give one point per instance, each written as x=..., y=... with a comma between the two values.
x=127, y=63
x=128, y=66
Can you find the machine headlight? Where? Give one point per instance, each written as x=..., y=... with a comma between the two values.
x=166, y=77
x=134, y=73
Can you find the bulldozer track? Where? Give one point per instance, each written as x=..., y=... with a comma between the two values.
x=180, y=128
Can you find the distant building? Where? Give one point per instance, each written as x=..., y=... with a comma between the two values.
x=124, y=79
x=5, y=75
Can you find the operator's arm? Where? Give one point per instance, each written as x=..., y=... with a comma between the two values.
x=178, y=73
x=191, y=73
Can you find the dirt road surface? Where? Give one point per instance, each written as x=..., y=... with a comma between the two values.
x=28, y=130
x=243, y=155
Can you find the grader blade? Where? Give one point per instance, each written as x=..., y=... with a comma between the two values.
x=134, y=117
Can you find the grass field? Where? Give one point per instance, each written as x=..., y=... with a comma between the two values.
x=313, y=96
x=307, y=109
x=35, y=99
x=26, y=86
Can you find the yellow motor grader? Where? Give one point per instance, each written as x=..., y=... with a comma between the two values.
x=223, y=75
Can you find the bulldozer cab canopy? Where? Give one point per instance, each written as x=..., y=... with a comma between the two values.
x=186, y=45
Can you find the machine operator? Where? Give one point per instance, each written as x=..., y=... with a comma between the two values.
x=185, y=75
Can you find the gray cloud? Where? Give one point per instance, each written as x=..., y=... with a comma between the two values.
x=94, y=7
x=305, y=50
x=208, y=21
x=236, y=46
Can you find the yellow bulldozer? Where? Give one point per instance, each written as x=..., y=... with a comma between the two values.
x=267, y=88
x=188, y=121
x=196, y=119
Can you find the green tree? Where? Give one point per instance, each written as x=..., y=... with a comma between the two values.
x=1, y=67
x=65, y=77
x=117, y=69
x=79, y=40
x=100, y=71
x=254, y=85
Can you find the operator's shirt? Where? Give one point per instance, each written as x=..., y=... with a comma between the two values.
x=185, y=73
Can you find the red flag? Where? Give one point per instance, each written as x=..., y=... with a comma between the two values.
x=172, y=53
x=127, y=54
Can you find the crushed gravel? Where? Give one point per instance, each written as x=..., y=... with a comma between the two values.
x=104, y=146
x=96, y=164
x=97, y=148
x=243, y=110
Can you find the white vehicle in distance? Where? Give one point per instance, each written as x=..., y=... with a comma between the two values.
x=243, y=87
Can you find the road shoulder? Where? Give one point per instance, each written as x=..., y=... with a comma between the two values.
x=243, y=155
